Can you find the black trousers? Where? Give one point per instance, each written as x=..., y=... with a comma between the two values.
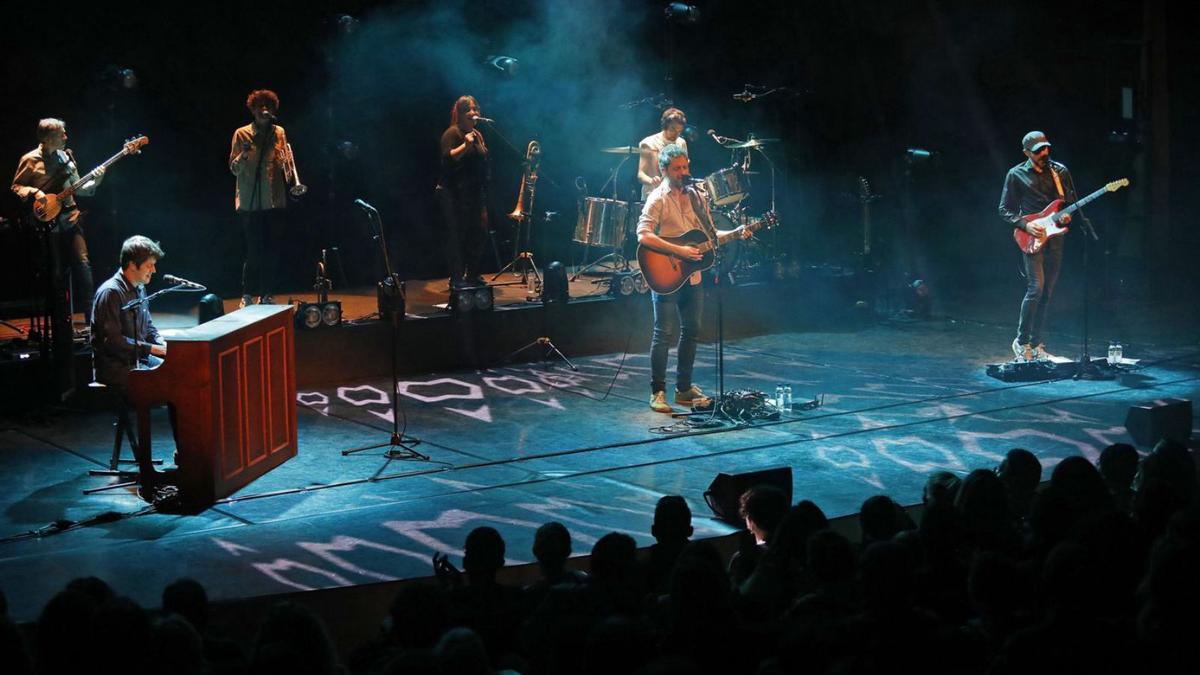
x=73, y=271
x=1041, y=275
x=262, y=237
x=465, y=217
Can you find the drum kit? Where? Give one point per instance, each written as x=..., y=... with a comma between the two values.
x=607, y=223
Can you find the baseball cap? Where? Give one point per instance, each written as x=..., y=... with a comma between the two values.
x=1034, y=141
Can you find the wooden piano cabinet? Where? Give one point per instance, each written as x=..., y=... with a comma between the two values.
x=232, y=382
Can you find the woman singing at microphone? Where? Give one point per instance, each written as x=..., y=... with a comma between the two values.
x=461, y=191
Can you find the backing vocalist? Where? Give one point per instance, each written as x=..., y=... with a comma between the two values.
x=258, y=159
x=461, y=192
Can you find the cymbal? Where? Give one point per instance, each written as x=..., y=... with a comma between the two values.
x=752, y=143
x=621, y=150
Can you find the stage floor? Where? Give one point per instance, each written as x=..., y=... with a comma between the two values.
x=518, y=446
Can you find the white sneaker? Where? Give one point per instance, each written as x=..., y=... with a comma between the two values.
x=1021, y=352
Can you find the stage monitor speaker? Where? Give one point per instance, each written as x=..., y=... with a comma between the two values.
x=726, y=489
x=554, y=286
x=210, y=308
x=1150, y=422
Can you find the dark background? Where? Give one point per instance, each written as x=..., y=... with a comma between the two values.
x=965, y=80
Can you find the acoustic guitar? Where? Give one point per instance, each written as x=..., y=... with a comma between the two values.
x=666, y=272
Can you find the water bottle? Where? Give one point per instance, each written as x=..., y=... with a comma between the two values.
x=1114, y=353
x=1120, y=354
x=778, y=396
x=787, y=397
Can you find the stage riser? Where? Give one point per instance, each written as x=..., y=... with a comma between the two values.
x=581, y=327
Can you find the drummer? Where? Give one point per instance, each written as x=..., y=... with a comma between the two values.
x=673, y=121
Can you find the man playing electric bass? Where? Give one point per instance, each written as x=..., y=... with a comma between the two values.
x=672, y=209
x=47, y=169
x=1028, y=189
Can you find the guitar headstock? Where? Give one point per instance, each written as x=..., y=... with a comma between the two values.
x=769, y=219
x=134, y=146
x=1117, y=185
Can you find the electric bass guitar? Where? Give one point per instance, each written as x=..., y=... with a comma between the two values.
x=1050, y=217
x=48, y=206
x=666, y=272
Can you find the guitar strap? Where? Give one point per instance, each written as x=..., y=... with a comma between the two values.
x=702, y=214
x=1057, y=182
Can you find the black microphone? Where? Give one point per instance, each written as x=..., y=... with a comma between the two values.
x=713, y=134
x=690, y=180
x=744, y=97
x=172, y=279
x=364, y=206
x=485, y=120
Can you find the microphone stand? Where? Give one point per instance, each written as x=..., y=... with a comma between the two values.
x=1085, y=369
x=398, y=445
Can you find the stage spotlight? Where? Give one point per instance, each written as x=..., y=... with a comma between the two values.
x=472, y=299
x=308, y=316
x=505, y=64
x=639, y=283
x=682, y=13
x=622, y=284
x=331, y=313
x=314, y=315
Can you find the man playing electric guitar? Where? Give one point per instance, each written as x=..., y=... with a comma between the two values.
x=1029, y=188
x=672, y=209
x=47, y=169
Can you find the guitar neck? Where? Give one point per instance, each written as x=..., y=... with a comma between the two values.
x=729, y=236
x=1084, y=202
x=92, y=174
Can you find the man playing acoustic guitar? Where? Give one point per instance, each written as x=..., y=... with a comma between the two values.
x=672, y=209
x=1029, y=188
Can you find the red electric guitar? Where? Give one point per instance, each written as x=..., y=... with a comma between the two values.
x=665, y=273
x=1050, y=216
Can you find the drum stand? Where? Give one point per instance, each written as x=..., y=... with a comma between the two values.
x=618, y=258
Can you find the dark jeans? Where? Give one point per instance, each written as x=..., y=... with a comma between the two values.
x=72, y=258
x=679, y=311
x=466, y=231
x=262, y=236
x=1041, y=273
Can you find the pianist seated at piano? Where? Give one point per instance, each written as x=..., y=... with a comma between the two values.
x=124, y=337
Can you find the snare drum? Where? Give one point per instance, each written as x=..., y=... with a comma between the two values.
x=602, y=222
x=727, y=186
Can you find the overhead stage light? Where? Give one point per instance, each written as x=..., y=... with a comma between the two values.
x=505, y=64
x=681, y=12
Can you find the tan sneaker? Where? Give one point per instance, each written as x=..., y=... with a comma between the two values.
x=658, y=402
x=692, y=396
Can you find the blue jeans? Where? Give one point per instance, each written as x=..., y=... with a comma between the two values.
x=675, y=312
x=1041, y=273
